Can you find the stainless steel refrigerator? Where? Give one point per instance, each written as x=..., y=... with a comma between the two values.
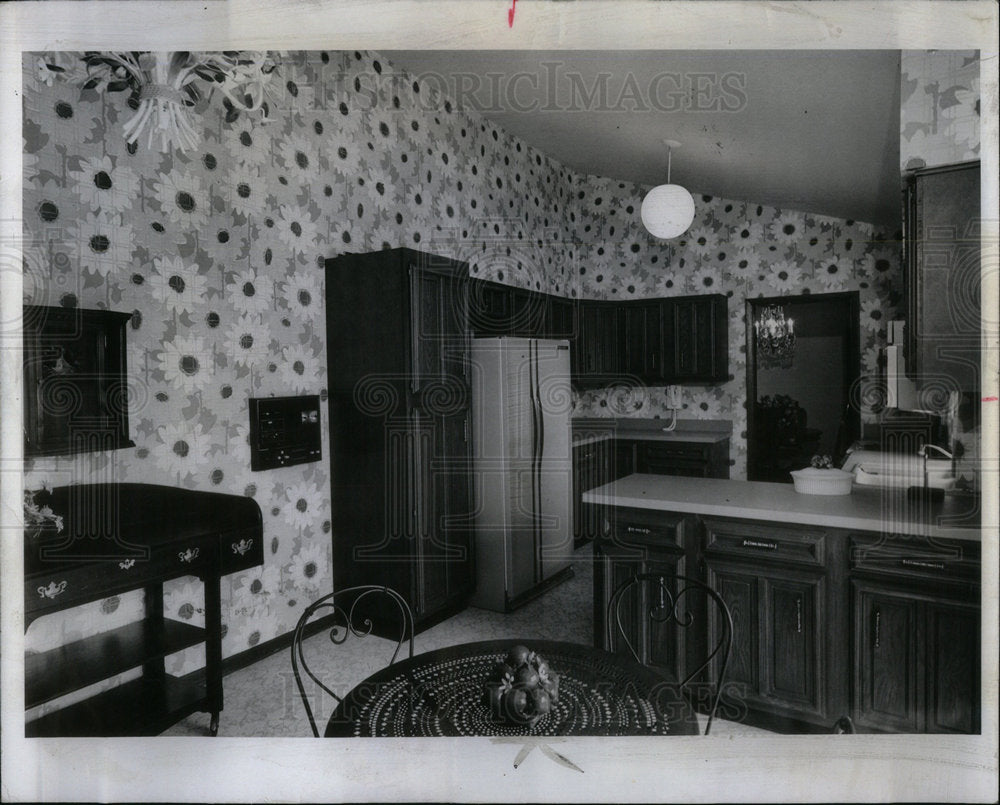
x=521, y=406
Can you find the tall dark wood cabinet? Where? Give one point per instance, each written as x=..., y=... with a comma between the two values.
x=942, y=219
x=397, y=349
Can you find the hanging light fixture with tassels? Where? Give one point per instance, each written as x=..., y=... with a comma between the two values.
x=668, y=209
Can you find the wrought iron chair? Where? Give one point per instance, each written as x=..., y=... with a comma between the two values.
x=665, y=598
x=349, y=611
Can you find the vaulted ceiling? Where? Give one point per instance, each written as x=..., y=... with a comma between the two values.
x=816, y=131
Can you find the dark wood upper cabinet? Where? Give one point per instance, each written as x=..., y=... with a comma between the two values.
x=642, y=340
x=652, y=341
x=75, y=381
x=598, y=344
x=943, y=262
x=490, y=308
x=696, y=339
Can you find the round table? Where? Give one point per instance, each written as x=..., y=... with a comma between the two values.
x=441, y=693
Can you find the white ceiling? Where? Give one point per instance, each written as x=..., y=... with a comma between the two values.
x=816, y=131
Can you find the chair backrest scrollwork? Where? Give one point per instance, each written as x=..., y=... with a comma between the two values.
x=665, y=600
x=347, y=613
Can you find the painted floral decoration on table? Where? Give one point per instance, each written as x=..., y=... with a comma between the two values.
x=38, y=516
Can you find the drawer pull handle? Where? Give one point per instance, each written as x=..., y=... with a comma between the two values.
x=242, y=546
x=922, y=563
x=760, y=543
x=636, y=530
x=52, y=590
x=798, y=614
x=128, y=564
x=189, y=555
x=877, y=614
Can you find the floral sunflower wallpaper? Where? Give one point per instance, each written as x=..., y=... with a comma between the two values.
x=218, y=253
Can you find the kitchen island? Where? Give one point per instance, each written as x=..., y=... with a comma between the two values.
x=860, y=609
x=866, y=508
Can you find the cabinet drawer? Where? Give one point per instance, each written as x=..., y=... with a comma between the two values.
x=641, y=527
x=240, y=550
x=801, y=545
x=918, y=558
x=673, y=451
x=79, y=582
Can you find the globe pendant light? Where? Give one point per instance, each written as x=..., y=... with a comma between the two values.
x=668, y=209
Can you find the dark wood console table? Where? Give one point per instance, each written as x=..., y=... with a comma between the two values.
x=121, y=537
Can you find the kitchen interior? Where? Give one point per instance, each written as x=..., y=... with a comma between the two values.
x=394, y=330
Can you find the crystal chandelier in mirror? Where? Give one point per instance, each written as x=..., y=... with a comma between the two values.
x=775, y=335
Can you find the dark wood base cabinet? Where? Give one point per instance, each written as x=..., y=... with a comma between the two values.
x=781, y=584
x=638, y=541
x=916, y=636
x=827, y=623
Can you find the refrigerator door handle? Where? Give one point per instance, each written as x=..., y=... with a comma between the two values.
x=536, y=402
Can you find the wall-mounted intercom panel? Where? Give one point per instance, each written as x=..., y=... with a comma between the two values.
x=284, y=431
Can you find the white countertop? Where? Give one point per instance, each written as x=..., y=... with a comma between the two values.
x=866, y=508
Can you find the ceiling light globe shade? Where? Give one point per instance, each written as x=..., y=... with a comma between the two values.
x=667, y=211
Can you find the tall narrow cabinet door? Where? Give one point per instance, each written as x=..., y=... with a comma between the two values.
x=794, y=647
x=441, y=400
x=887, y=650
x=739, y=591
x=952, y=667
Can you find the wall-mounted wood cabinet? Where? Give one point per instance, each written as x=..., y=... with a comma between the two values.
x=75, y=381
x=653, y=342
x=942, y=226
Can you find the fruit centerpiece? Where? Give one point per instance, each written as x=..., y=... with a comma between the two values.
x=522, y=687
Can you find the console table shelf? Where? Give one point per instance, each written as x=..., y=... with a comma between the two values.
x=143, y=707
x=54, y=673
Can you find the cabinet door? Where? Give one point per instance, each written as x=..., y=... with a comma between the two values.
x=887, y=659
x=665, y=643
x=624, y=459
x=696, y=339
x=490, y=310
x=528, y=313
x=561, y=319
x=739, y=590
x=952, y=687
x=598, y=342
x=641, y=339
x=792, y=660
x=613, y=566
x=943, y=268
x=74, y=381
x=672, y=458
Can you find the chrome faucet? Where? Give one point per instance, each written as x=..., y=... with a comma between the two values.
x=924, y=450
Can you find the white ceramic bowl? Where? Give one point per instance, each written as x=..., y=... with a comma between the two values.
x=813, y=481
